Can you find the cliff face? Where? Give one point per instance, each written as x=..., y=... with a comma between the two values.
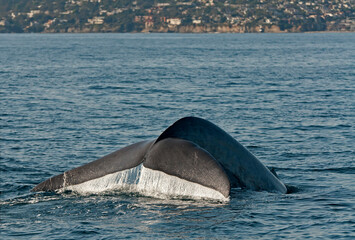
x=220, y=29
x=187, y=29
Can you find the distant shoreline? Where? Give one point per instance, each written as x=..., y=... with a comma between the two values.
x=172, y=16
x=44, y=33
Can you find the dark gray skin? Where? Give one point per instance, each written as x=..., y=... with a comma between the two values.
x=175, y=157
x=192, y=149
x=186, y=160
x=125, y=158
x=242, y=167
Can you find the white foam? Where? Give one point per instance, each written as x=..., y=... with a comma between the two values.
x=147, y=182
x=124, y=180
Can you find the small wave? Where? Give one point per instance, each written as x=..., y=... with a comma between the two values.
x=24, y=140
x=30, y=76
x=85, y=232
x=99, y=87
x=295, y=155
x=346, y=170
x=30, y=198
x=253, y=147
x=341, y=205
x=319, y=127
x=292, y=189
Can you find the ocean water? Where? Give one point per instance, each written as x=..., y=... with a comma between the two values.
x=68, y=99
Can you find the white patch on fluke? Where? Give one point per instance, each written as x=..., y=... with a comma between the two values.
x=147, y=182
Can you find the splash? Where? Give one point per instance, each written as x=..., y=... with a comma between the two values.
x=148, y=182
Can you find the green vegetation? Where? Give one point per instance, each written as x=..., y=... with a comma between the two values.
x=176, y=16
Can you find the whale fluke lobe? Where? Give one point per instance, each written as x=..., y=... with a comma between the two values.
x=188, y=161
x=240, y=164
x=193, y=157
x=125, y=158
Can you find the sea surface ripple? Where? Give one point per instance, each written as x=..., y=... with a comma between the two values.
x=68, y=99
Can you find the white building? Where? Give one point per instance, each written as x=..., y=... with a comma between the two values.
x=196, y=21
x=174, y=21
x=33, y=12
x=96, y=20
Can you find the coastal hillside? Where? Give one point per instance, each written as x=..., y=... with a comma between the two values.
x=60, y=16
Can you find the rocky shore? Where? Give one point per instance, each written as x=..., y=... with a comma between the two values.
x=187, y=29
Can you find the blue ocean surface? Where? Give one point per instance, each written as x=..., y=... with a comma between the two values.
x=68, y=99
